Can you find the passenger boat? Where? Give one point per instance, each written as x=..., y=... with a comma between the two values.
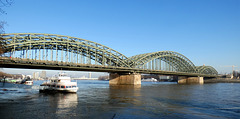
x=62, y=83
x=28, y=83
x=150, y=80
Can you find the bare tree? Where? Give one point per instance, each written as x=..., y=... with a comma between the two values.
x=3, y=3
x=2, y=23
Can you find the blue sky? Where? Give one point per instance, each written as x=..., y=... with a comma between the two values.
x=205, y=31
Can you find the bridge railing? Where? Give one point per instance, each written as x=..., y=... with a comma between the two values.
x=57, y=63
x=30, y=63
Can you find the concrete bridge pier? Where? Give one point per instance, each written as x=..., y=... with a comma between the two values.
x=124, y=79
x=190, y=80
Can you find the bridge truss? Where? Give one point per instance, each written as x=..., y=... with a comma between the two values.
x=33, y=49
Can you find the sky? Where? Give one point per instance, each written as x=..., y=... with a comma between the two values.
x=205, y=31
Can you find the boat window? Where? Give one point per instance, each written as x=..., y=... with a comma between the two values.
x=53, y=86
x=62, y=86
x=58, y=86
x=74, y=86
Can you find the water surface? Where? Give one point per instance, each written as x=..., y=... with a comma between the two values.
x=96, y=99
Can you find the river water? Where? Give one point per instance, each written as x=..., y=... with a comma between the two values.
x=98, y=100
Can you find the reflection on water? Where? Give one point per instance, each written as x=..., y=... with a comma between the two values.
x=124, y=94
x=62, y=102
x=96, y=99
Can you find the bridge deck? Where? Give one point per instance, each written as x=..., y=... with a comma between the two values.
x=7, y=62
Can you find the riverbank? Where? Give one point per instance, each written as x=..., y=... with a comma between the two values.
x=222, y=80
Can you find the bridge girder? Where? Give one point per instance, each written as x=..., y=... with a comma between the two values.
x=174, y=59
x=94, y=51
x=34, y=41
x=206, y=70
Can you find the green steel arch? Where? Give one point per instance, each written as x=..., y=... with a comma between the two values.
x=35, y=41
x=60, y=48
x=206, y=70
x=176, y=60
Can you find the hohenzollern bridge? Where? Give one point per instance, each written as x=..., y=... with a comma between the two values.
x=58, y=52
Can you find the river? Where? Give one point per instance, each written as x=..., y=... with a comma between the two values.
x=97, y=100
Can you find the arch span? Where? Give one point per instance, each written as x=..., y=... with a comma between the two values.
x=206, y=70
x=176, y=61
x=58, y=44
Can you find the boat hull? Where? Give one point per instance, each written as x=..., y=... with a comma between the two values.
x=58, y=90
x=28, y=83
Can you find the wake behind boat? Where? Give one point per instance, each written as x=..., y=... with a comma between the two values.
x=60, y=84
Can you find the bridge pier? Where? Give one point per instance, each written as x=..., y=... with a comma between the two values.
x=124, y=79
x=190, y=80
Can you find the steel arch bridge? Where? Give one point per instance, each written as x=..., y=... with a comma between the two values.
x=36, y=50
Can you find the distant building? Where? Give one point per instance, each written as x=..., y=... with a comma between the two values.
x=89, y=75
x=17, y=76
x=35, y=75
x=162, y=77
x=43, y=75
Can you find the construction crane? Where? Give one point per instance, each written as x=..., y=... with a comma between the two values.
x=232, y=69
x=231, y=66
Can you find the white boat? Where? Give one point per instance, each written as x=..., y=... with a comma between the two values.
x=28, y=83
x=62, y=83
x=150, y=80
